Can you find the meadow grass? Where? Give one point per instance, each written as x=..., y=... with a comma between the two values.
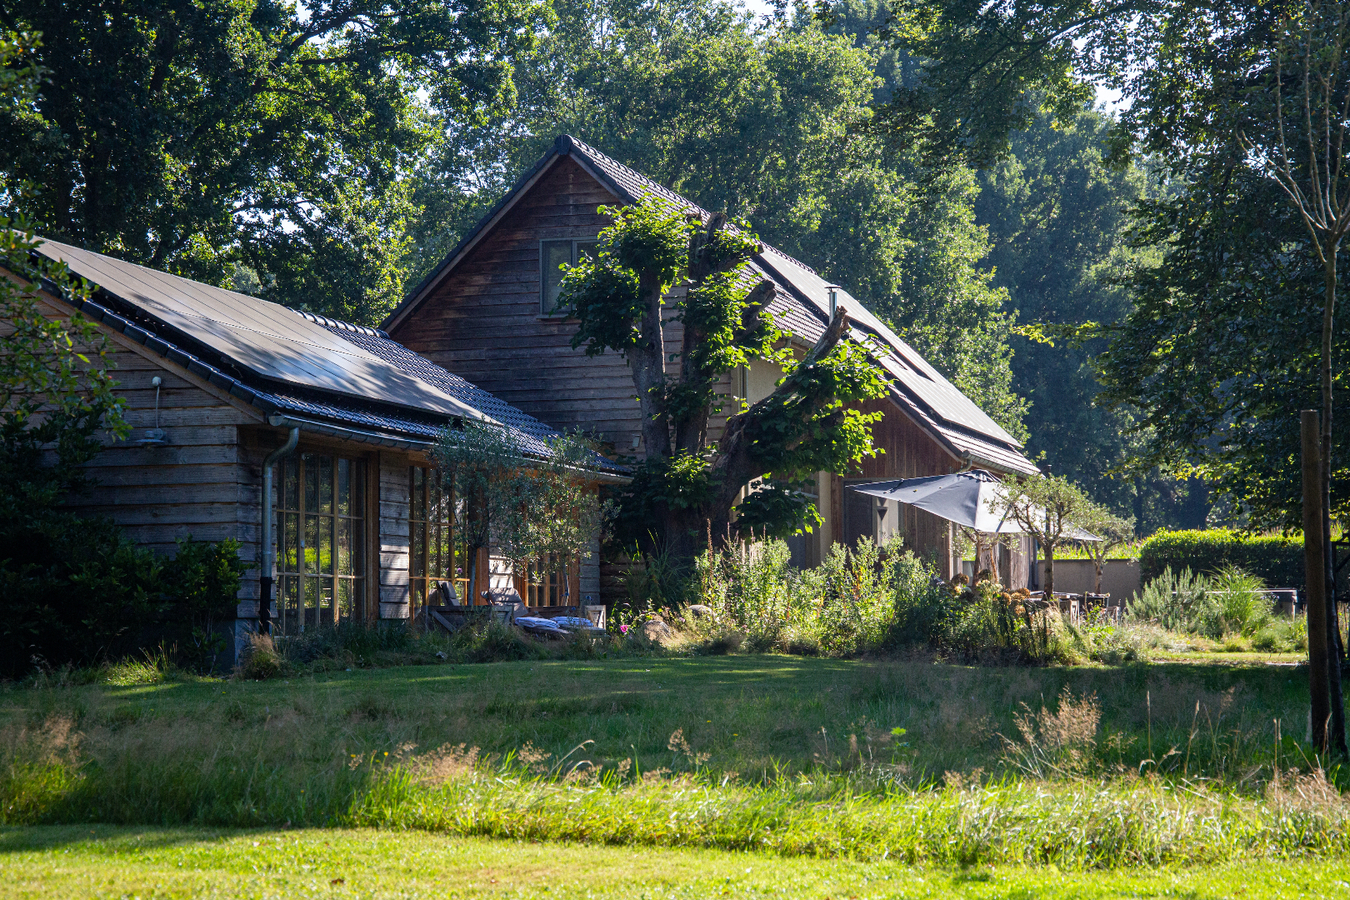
x=116, y=862
x=898, y=759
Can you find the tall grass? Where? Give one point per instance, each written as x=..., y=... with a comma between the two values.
x=1067, y=792
x=866, y=600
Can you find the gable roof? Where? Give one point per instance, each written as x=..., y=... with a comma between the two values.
x=801, y=304
x=289, y=362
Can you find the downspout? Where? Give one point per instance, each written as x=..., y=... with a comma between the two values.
x=268, y=552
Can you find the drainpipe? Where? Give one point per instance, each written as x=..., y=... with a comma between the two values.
x=268, y=553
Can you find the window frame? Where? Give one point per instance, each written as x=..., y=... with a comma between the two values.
x=576, y=245
x=420, y=584
x=292, y=529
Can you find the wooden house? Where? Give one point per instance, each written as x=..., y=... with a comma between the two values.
x=216, y=383
x=488, y=312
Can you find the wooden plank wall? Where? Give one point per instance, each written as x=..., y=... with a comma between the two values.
x=195, y=485
x=393, y=534
x=907, y=452
x=484, y=321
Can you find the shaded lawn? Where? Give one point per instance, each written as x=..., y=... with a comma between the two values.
x=752, y=715
x=100, y=861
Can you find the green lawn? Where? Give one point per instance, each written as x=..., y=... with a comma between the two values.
x=99, y=861
x=670, y=763
x=749, y=714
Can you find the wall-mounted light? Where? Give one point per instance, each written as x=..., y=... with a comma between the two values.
x=153, y=437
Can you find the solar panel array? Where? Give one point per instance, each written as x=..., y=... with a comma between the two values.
x=267, y=339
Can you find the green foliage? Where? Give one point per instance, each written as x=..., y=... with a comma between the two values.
x=1056, y=190
x=1178, y=602
x=77, y=592
x=1276, y=560
x=219, y=136
x=981, y=70
x=1229, y=603
x=532, y=510
x=866, y=600
x=767, y=122
x=683, y=491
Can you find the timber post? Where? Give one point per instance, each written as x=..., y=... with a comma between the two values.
x=1315, y=579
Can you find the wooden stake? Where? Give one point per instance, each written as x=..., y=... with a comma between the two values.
x=1314, y=567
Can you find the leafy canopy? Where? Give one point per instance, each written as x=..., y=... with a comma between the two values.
x=259, y=144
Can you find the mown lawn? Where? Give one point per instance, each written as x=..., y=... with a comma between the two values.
x=105, y=862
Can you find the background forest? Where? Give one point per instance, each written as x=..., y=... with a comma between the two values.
x=328, y=158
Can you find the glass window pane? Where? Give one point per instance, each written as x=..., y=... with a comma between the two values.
x=417, y=509
x=289, y=482
x=344, y=599
x=325, y=485
x=310, y=475
x=289, y=606
x=344, y=487
x=290, y=556
x=358, y=488
x=344, y=547
x=311, y=603
x=326, y=601
x=311, y=548
x=418, y=554
x=326, y=560
x=553, y=256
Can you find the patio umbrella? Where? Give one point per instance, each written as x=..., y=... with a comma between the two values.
x=975, y=499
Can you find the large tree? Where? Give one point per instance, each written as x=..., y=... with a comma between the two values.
x=682, y=91
x=259, y=140
x=655, y=268
x=1058, y=216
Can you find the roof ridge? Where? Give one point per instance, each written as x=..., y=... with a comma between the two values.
x=566, y=140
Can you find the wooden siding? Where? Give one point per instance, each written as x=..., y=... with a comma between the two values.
x=195, y=485
x=393, y=534
x=483, y=322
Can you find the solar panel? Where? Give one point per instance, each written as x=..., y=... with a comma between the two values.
x=265, y=338
x=903, y=362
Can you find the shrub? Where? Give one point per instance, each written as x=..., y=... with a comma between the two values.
x=1241, y=601
x=1277, y=561
x=1177, y=602
x=77, y=591
x=865, y=600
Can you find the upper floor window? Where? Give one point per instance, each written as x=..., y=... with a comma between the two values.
x=554, y=259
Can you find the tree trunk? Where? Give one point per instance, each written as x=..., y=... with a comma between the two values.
x=1049, y=572
x=1097, y=564
x=1314, y=570
x=1337, y=737
x=647, y=363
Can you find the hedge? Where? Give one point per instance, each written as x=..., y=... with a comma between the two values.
x=1277, y=560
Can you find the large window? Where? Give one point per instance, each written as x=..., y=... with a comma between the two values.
x=435, y=553
x=554, y=257
x=546, y=584
x=320, y=540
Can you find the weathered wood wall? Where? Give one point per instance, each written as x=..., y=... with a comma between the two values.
x=484, y=321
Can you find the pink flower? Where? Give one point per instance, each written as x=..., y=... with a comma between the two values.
x=623, y=629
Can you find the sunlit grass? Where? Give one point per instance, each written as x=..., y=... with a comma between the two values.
x=101, y=861
x=910, y=760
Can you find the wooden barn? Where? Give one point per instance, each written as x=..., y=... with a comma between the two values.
x=217, y=383
x=488, y=313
